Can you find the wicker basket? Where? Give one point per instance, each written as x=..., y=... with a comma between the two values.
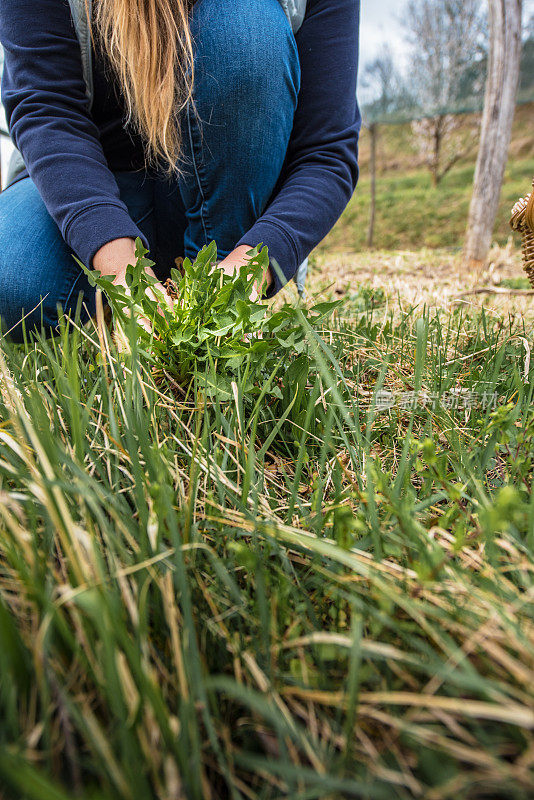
x=522, y=221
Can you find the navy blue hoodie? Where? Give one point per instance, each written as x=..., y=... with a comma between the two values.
x=43, y=92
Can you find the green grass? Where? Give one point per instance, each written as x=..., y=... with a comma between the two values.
x=412, y=214
x=515, y=283
x=260, y=596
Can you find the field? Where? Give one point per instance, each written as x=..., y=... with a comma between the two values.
x=320, y=590
x=298, y=567
x=411, y=213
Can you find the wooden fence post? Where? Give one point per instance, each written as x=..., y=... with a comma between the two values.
x=373, y=132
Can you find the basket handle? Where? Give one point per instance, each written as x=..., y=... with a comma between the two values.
x=529, y=210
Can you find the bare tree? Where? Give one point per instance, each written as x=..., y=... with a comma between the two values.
x=499, y=107
x=446, y=38
x=382, y=84
x=443, y=140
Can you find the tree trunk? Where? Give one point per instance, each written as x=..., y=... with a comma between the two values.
x=499, y=107
x=373, y=131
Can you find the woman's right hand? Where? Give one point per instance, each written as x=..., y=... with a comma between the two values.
x=112, y=260
x=114, y=257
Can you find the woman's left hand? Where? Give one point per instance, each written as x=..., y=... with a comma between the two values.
x=237, y=258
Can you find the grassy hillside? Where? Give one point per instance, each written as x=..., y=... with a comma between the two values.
x=413, y=214
x=314, y=583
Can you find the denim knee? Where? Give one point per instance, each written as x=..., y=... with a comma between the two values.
x=246, y=57
x=247, y=79
x=37, y=270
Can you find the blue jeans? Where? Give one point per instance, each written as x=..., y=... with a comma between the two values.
x=247, y=82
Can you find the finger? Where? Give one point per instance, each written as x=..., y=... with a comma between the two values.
x=168, y=299
x=158, y=295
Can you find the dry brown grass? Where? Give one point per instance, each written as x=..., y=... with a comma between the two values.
x=435, y=278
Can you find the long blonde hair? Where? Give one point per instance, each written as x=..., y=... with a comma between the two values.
x=149, y=45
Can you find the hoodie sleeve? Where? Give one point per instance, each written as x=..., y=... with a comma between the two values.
x=43, y=91
x=321, y=167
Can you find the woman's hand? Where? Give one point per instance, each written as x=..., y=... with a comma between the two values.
x=112, y=260
x=114, y=257
x=237, y=258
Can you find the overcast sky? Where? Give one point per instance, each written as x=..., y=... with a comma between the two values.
x=380, y=23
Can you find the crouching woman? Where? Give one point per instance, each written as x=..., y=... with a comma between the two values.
x=178, y=121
